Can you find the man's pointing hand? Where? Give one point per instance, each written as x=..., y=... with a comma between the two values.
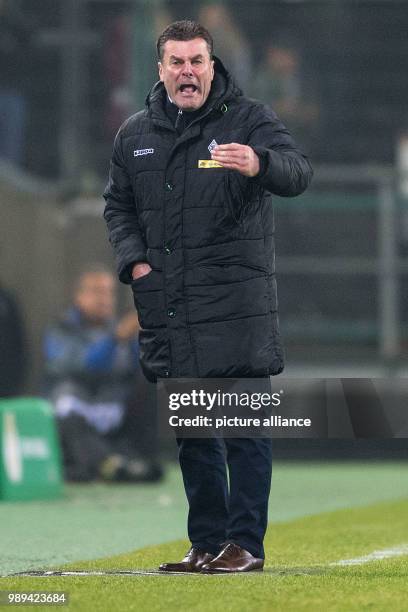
x=237, y=157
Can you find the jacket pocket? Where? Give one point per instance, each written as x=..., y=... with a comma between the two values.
x=148, y=296
x=154, y=353
x=142, y=280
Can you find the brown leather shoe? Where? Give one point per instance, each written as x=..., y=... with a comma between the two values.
x=233, y=558
x=192, y=562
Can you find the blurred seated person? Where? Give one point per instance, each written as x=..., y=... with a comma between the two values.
x=93, y=379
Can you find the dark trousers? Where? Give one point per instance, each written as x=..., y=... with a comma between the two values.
x=218, y=513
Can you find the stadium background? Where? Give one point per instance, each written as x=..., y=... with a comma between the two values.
x=342, y=247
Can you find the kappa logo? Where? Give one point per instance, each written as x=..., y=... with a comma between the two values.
x=212, y=145
x=138, y=152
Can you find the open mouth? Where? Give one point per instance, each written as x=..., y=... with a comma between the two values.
x=188, y=88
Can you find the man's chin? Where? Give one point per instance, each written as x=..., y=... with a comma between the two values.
x=189, y=105
x=189, y=109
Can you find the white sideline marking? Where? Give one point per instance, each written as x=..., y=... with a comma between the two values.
x=377, y=555
x=137, y=572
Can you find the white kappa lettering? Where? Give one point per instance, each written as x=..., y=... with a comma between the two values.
x=138, y=152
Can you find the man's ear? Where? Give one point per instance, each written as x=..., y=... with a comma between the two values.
x=160, y=66
x=212, y=69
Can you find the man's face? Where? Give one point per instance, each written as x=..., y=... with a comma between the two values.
x=187, y=71
x=95, y=297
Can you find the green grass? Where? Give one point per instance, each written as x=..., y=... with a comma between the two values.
x=298, y=574
x=97, y=520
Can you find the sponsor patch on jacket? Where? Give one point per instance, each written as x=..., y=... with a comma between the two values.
x=209, y=163
x=138, y=152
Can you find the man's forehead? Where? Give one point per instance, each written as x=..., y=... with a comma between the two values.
x=185, y=48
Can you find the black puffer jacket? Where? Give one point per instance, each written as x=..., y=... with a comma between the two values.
x=209, y=306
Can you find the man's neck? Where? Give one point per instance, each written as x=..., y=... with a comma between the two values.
x=181, y=118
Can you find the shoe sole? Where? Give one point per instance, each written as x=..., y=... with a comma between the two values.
x=179, y=571
x=258, y=569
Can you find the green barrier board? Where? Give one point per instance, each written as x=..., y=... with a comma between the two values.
x=30, y=463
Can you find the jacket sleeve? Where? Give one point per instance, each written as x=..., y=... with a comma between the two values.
x=120, y=214
x=285, y=170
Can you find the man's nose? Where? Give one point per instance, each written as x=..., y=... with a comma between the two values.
x=187, y=69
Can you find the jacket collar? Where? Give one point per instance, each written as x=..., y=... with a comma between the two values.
x=223, y=88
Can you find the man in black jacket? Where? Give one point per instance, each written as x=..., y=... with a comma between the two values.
x=189, y=214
